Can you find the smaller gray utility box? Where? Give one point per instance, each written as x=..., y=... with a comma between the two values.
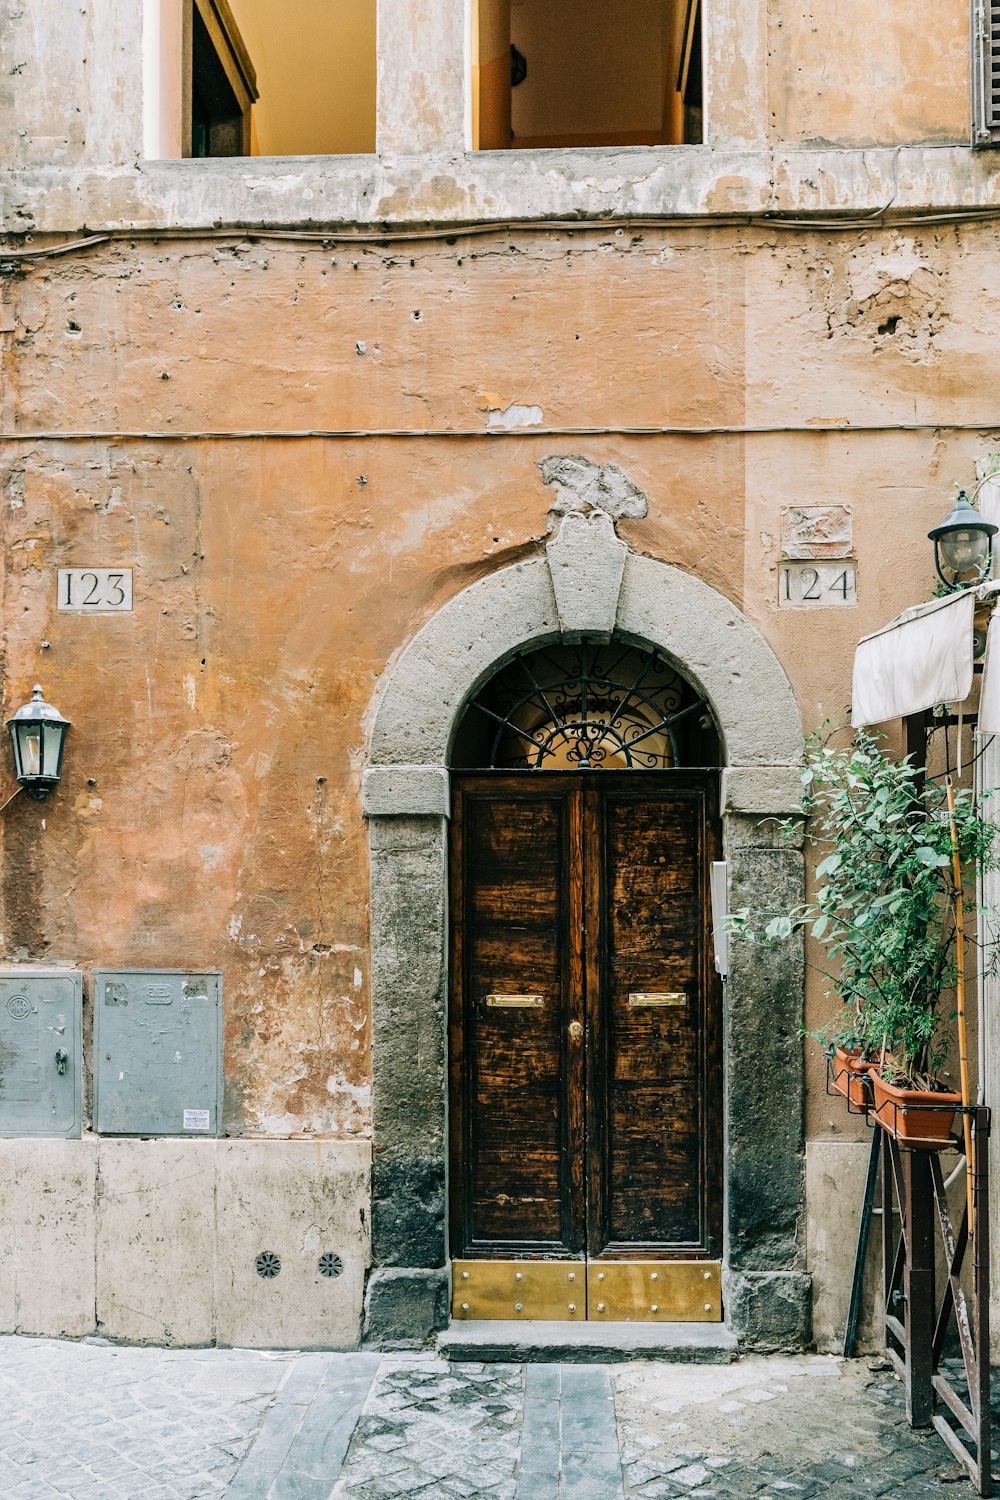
x=157, y=1052
x=41, y=1052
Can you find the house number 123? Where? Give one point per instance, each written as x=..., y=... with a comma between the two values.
x=95, y=590
x=818, y=585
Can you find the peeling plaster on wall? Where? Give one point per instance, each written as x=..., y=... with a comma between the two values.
x=937, y=363
x=71, y=126
x=894, y=292
x=309, y=356
x=189, y=814
x=581, y=485
x=514, y=416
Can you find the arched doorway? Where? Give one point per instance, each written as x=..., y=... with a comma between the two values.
x=585, y=1012
x=586, y=583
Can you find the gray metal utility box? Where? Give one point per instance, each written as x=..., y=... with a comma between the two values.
x=41, y=1052
x=157, y=1052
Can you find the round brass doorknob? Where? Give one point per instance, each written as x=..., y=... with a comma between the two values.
x=576, y=1030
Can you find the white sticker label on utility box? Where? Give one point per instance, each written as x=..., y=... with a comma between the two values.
x=197, y=1119
x=818, y=585
x=95, y=590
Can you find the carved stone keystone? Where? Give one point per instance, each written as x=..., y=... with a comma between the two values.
x=587, y=563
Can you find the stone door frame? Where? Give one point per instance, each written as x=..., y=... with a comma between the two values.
x=586, y=582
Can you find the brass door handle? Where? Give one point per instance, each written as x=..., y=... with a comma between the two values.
x=576, y=1030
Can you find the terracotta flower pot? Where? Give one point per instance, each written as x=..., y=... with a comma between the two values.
x=847, y=1072
x=908, y=1114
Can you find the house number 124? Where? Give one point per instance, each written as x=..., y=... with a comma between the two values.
x=95, y=590
x=818, y=585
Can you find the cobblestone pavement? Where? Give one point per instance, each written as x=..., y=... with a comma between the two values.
x=788, y=1427
x=94, y=1422
x=442, y=1430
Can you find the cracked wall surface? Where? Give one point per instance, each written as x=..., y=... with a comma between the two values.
x=211, y=809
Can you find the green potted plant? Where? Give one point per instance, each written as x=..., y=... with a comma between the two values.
x=884, y=916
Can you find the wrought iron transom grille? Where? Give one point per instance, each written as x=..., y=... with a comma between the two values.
x=587, y=707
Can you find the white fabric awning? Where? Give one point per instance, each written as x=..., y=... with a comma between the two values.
x=924, y=657
x=989, y=695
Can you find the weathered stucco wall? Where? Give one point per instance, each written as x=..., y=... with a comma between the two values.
x=223, y=723
x=858, y=74
x=71, y=83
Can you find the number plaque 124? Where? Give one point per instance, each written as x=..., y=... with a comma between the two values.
x=818, y=585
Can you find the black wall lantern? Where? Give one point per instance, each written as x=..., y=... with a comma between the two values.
x=38, y=734
x=963, y=544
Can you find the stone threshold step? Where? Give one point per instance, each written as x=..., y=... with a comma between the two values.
x=521, y=1341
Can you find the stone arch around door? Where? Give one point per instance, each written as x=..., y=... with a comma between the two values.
x=586, y=582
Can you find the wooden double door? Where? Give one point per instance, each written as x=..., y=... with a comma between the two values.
x=585, y=1046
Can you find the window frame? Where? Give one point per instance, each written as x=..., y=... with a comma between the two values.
x=234, y=60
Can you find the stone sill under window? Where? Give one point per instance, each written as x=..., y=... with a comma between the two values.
x=600, y=183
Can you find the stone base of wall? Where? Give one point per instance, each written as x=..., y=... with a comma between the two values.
x=835, y=1187
x=404, y=1308
x=156, y=1241
x=769, y=1310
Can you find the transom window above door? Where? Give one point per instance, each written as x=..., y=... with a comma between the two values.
x=588, y=706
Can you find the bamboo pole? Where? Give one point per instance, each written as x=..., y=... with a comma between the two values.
x=963, y=1050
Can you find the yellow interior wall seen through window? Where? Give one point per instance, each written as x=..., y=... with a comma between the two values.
x=316, y=72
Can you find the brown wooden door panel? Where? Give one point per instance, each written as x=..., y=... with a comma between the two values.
x=654, y=1190
x=653, y=889
x=517, y=1086
x=588, y=1125
x=651, y=1080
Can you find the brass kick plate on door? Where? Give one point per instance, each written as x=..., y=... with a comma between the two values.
x=516, y=1002
x=658, y=997
x=556, y=1290
x=654, y=1291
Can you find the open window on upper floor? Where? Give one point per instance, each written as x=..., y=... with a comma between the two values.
x=259, y=77
x=558, y=73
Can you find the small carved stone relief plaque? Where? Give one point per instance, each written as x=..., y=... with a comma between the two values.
x=810, y=531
